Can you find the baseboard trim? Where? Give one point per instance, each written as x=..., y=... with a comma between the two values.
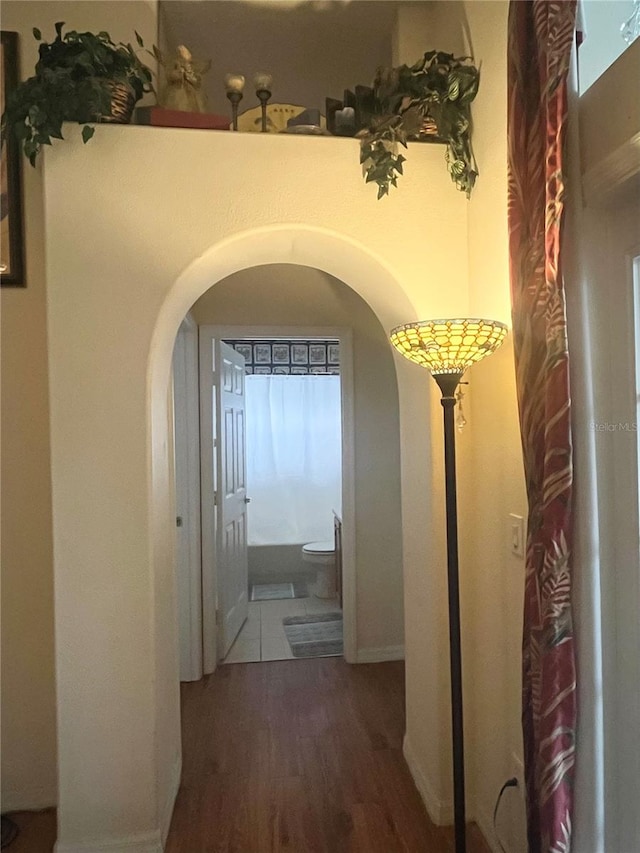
x=440, y=811
x=143, y=842
x=380, y=655
x=167, y=814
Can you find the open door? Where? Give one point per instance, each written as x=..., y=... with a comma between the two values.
x=187, y=472
x=224, y=497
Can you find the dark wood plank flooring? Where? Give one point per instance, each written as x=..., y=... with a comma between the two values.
x=300, y=756
x=37, y=832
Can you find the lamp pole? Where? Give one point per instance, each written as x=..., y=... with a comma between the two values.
x=446, y=348
x=448, y=382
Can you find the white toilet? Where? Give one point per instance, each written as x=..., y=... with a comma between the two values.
x=324, y=556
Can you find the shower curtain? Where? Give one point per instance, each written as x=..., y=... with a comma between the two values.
x=294, y=459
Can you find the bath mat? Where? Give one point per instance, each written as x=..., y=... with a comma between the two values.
x=314, y=636
x=278, y=591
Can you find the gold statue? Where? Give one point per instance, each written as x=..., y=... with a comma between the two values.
x=183, y=88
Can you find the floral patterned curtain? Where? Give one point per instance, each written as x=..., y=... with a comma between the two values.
x=540, y=37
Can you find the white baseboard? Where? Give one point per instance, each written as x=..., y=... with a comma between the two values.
x=167, y=813
x=440, y=811
x=143, y=842
x=380, y=655
x=28, y=801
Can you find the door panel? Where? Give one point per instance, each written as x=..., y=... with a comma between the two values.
x=232, y=575
x=187, y=474
x=224, y=529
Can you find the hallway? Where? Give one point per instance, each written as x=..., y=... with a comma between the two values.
x=302, y=756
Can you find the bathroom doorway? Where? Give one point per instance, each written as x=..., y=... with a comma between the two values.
x=296, y=478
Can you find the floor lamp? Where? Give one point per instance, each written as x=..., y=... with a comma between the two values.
x=447, y=348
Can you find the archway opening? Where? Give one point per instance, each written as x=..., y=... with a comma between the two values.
x=371, y=279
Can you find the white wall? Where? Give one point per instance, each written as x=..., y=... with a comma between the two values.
x=116, y=272
x=493, y=578
x=603, y=43
x=28, y=688
x=299, y=296
x=604, y=238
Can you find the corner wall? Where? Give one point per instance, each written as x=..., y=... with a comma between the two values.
x=493, y=579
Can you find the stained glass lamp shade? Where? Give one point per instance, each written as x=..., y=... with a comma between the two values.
x=448, y=346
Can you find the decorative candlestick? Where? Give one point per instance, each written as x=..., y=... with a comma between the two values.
x=234, y=84
x=262, y=82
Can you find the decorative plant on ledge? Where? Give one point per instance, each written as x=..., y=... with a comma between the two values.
x=78, y=77
x=429, y=100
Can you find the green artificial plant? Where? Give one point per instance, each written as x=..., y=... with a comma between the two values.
x=435, y=93
x=73, y=81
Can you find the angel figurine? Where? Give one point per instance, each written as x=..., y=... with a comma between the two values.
x=183, y=89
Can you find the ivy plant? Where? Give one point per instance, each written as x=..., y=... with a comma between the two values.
x=434, y=95
x=73, y=81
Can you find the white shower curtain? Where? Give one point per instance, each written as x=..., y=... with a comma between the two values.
x=294, y=460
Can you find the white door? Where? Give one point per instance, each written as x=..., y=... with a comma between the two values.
x=187, y=471
x=224, y=497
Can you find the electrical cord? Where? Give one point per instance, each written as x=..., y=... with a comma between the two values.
x=510, y=783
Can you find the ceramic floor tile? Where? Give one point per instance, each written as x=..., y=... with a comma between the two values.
x=254, y=607
x=272, y=628
x=244, y=651
x=276, y=650
x=251, y=629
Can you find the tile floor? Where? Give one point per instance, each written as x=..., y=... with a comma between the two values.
x=262, y=636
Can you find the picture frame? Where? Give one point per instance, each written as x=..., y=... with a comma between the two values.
x=12, y=272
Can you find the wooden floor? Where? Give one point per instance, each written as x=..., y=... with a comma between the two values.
x=300, y=756
x=37, y=832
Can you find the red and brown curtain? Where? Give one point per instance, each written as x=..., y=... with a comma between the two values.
x=540, y=37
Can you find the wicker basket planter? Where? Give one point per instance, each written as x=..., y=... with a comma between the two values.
x=80, y=77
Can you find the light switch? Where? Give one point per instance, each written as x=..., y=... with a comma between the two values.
x=516, y=533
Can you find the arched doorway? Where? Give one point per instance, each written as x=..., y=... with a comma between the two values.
x=300, y=245
x=132, y=686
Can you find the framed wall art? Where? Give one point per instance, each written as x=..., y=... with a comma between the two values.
x=11, y=232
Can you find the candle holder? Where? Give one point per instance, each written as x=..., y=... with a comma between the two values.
x=234, y=84
x=263, y=82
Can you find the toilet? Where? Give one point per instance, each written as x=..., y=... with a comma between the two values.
x=323, y=554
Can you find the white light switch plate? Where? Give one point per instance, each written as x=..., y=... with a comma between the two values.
x=516, y=535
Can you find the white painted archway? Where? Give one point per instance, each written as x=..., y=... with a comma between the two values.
x=353, y=264
x=121, y=275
